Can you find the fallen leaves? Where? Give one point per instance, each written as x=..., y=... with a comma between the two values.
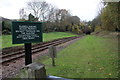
x=109, y=74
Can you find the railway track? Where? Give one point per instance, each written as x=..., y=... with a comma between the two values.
x=35, y=48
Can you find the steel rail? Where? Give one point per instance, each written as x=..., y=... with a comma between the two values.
x=36, y=48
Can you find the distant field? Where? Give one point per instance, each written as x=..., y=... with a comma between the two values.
x=7, y=39
x=90, y=57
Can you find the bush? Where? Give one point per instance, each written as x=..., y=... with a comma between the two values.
x=6, y=32
x=98, y=28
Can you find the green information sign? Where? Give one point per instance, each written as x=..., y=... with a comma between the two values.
x=26, y=32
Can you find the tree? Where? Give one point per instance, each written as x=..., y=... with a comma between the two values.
x=75, y=20
x=63, y=16
x=59, y=18
x=6, y=27
x=54, y=19
x=96, y=22
x=23, y=15
x=51, y=13
x=110, y=15
x=38, y=8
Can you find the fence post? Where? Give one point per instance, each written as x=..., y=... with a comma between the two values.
x=53, y=54
x=36, y=71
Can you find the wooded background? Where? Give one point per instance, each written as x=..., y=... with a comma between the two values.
x=62, y=20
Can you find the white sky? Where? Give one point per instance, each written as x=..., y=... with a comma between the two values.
x=84, y=9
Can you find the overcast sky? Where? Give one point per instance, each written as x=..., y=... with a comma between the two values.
x=84, y=9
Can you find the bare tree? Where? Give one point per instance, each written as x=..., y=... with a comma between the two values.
x=51, y=13
x=38, y=8
x=22, y=14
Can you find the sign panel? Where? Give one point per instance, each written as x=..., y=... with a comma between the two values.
x=26, y=32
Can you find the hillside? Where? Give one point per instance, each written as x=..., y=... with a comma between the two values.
x=4, y=19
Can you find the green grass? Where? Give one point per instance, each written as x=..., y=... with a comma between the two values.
x=0, y=41
x=90, y=57
x=56, y=35
x=7, y=39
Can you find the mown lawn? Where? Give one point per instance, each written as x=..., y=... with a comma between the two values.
x=90, y=57
x=7, y=39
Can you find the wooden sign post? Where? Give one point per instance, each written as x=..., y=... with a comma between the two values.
x=53, y=54
x=28, y=53
x=27, y=33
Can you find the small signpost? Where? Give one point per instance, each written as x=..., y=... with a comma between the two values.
x=53, y=54
x=27, y=33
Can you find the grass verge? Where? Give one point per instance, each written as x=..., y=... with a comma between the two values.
x=7, y=39
x=91, y=57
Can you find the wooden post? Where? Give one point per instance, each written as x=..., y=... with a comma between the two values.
x=28, y=54
x=52, y=52
x=40, y=73
x=36, y=71
x=53, y=61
